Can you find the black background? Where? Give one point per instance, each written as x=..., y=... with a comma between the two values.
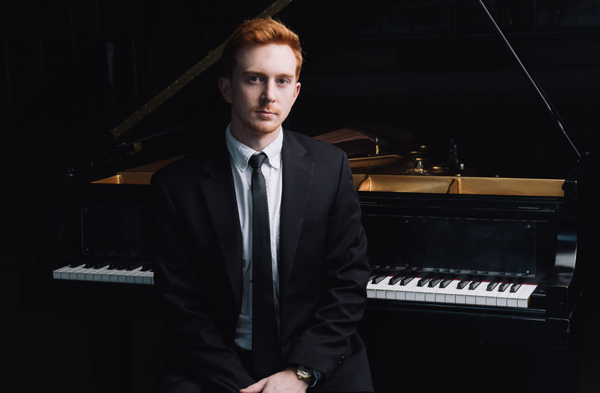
x=432, y=68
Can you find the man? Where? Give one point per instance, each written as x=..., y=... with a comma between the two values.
x=253, y=307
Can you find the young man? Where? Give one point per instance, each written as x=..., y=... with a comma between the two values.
x=259, y=249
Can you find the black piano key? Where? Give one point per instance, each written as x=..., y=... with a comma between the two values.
x=135, y=264
x=148, y=267
x=491, y=286
x=77, y=262
x=503, y=286
x=119, y=264
x=102, y=263
x=446, y=282
x=91, y=262
x=463, y=283
x=376, y=280
x=394, y=280
x=127, y=264
x=406, y=280
x=435, y=282
x=515, y=287
x=473, y=285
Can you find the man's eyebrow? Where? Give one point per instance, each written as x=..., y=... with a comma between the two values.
x=250, y=72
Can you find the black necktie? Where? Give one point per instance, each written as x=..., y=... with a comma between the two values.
x=265, y=337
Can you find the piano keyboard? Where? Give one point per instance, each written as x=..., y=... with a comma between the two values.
x=453, y=291
x=405, y=288
x=109, y=270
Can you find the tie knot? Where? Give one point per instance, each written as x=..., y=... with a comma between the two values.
x=257, y=160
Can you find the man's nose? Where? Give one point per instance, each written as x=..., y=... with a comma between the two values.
x=268, y=93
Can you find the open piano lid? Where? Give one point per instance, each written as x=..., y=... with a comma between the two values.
x=441, y=80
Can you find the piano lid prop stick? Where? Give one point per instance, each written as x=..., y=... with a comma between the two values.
x=184, y=79
x=533, y=83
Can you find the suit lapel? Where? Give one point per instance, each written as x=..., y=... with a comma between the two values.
x=297, y=175
x=219, y=192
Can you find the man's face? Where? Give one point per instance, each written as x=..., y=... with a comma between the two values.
x=262, y=89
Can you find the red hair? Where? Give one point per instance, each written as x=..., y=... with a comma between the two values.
x=260, y=32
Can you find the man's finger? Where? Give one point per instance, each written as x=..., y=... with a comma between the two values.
x=255, y=388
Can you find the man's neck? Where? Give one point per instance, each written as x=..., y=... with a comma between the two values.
x=254, y=140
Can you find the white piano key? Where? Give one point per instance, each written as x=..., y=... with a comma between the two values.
x=96, y=274
x=82, y=273
x=502, y=297
x=391, y=289
x=64, y=274
x=372, y=288
x=127, y=273
x=56, y=274
x=512, y=299
x=106, y=275
x=114, y=276
x=523, y=298
x=73, y=272
x=400, y=290
x=410, y=289
x=490, y=296
x=148, y=276
x=448, y=294
x=471, y=294
x=131, y=276
x=381, y=288
x=460, y=296
x=427, y=293
x=482, y=295
x=139, y=278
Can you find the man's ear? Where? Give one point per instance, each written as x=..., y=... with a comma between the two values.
x=296, y=92
x=225, y=87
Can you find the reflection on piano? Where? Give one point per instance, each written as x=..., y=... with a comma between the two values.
x=498, y=259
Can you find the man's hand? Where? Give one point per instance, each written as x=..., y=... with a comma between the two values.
x=286, y=381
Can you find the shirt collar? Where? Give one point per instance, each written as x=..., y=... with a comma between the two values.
x=241, y=153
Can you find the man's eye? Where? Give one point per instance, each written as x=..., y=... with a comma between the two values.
x=254, y=79
x=282, y=81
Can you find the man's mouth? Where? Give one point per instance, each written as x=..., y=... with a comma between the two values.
x=266, y=113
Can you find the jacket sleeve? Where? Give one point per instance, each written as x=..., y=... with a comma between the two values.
x=197, y=344
x=344, y=275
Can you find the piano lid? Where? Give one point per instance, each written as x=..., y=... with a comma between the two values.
x=435, y=69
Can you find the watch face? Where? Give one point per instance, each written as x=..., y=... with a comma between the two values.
x=304, y=372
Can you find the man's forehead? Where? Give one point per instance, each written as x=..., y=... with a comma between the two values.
x=270, y=57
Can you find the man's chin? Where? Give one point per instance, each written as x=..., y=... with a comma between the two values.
x=264, y=128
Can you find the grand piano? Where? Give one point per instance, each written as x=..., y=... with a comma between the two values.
x=480, y=215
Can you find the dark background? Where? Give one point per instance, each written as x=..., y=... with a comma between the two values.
x=432, y=68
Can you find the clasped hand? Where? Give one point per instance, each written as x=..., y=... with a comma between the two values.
x=285, y=381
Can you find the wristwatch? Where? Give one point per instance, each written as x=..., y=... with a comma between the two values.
x=304, y=373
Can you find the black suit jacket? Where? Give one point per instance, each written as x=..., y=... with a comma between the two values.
x=322, y=264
